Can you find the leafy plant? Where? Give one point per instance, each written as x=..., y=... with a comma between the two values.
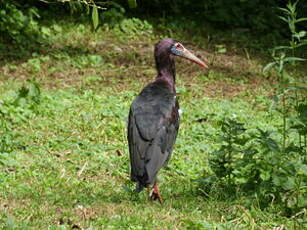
x=5, y=135
x=222, y=160
x=113, y=16
x=133, y=27
x=299, y=123
x=298, y=38
x=19, y=25
x=92, y=7
x=256, y=165
x=87, y=61
x=17, y=111
x=280, y=60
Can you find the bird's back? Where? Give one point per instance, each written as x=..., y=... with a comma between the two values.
x=152, y=130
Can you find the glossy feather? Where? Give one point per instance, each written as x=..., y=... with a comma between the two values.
x=152, y=131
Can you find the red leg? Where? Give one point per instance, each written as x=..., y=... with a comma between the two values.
x=156, y=193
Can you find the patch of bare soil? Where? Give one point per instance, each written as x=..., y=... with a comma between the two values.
x=133, y=61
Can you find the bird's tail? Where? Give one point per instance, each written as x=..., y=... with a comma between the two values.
x=139, y=187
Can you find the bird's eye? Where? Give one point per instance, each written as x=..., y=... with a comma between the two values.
x=177, y=49
x=179, y=46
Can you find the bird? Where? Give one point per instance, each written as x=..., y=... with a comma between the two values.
x=153, y=121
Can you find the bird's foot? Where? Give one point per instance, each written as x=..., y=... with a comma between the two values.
x=155, y=194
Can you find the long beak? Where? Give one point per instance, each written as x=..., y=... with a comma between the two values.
x=188, y=55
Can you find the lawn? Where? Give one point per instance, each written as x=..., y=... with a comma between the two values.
x=64, y=156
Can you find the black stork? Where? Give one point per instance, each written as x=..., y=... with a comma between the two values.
x=154, y=118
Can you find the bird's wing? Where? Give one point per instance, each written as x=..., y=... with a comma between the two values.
x=152, y=130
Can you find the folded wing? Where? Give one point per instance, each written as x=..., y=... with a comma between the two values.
x=152, y=130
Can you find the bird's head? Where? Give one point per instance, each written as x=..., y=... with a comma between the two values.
x=171, y=47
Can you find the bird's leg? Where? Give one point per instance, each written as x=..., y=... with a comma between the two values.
x=155, y=194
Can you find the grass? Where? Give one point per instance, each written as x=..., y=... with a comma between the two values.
x=69, y=165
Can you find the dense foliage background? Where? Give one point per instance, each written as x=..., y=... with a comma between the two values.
x=20, y=19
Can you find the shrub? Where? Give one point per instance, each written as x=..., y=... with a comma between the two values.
x=256, y=165
x=18, y=23
x=15, y=112
x=269, y=170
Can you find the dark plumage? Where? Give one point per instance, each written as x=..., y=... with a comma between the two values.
x=154, y=118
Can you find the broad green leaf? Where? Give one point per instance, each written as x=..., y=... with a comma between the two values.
x=303, y=170
x=95, y=17
x=289, y=184
x=265, y=175
x=299, y=35
x=241, y=180
x=278, y=180
x=302, y=33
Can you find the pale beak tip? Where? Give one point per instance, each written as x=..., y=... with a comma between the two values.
x=203, y=65
x=187, y=54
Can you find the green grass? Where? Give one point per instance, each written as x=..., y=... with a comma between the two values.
x=69, y=165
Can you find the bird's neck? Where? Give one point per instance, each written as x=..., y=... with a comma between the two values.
x=166, y=71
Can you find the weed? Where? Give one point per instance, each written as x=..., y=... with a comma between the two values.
x=133, y=28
